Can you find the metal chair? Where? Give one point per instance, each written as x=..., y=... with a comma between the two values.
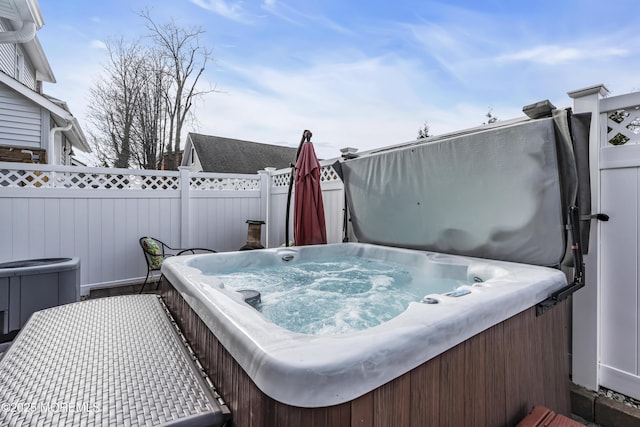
x=156, y=251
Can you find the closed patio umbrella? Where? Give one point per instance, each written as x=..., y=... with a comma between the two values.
x=308, y=210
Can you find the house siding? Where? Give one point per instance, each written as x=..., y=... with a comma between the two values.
x=20, y=120
x=28, y=71
x=7, y=53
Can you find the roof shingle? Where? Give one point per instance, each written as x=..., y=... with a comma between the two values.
x=226, y=155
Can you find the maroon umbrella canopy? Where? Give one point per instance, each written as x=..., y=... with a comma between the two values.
x=308, y=210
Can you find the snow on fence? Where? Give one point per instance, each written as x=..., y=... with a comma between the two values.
x=99, y=214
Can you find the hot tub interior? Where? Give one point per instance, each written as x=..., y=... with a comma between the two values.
x=338, y=294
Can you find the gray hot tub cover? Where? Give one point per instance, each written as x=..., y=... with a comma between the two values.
x=500, y=193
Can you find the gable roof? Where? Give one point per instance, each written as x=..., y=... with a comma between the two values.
x=226, y=155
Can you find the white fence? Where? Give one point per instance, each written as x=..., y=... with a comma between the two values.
x=99, y=214
x=606, y=334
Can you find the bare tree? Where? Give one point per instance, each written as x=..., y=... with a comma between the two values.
x=151, y=116
x=423, y=132
x=145, y=95
x=490, y=117
x=114, y=101
x=184, y=59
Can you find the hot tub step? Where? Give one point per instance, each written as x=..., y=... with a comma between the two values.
x=541, y=416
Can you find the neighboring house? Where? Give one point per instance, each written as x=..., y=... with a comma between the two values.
x=204, y=153
x=34, y=127
x=164, y=161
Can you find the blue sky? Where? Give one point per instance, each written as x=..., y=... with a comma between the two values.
x=361, y=74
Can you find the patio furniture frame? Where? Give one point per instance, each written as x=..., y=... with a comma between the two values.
x=154, y=259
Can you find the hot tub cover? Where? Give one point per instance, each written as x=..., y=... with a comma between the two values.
x=500, y=193
x=110, y=361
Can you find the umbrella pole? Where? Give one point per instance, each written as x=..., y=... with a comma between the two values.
x=306, y=137
x=345, y=220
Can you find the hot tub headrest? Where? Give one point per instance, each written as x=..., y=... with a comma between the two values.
x=500, y=193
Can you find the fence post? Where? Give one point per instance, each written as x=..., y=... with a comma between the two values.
x=185, y=179
x=586, y=310
x=265, y=201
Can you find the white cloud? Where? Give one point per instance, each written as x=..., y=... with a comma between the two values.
x=457, y=49
x=364, y=103
x=97, y=44
x=300, y=18
x=554, y=54
x=276, y=9
x=232, y=10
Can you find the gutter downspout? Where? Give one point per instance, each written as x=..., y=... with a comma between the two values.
x=52, y=139
x=24, y=34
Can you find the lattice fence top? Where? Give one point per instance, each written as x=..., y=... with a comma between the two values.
x=623, y=126
x=234, y=184
x=327, y=174
x=281, y=180
x=32, y=178
x=84, y=180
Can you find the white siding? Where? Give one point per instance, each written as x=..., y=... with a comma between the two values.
x=7, y=53
x=20, y=120
x=8, y=60
x=28, y=71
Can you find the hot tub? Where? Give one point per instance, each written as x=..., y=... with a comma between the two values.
x=343, y=366
x=488, y=212
x=320, y=371
x=30, y=285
